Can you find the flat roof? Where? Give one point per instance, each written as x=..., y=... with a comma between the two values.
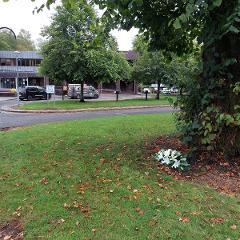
x=20, y=54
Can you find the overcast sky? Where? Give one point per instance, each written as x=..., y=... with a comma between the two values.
x=17, y=14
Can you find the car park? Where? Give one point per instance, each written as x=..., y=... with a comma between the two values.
x=32, y=93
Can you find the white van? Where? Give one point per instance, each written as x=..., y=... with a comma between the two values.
x=74, y=91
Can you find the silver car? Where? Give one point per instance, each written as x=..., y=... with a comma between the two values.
x=74, y=91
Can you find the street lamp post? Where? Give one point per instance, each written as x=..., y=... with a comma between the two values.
x=17, y=87
x=14, y=35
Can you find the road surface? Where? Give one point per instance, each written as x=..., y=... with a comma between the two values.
x=9, y=120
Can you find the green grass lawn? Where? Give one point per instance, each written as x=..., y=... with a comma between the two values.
x=92, y=179
x=75, y=104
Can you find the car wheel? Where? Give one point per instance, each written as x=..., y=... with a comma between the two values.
x=96, y=96
x=29, y=98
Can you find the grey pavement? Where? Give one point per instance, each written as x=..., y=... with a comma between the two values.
x=8, y=120
x=3, y=99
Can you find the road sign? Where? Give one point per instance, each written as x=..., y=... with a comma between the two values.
x=50, y=89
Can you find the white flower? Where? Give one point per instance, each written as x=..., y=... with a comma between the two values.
x=176, y=164
x=167, y=152
x=172, y=158
x=160, y=156
x=166, y=160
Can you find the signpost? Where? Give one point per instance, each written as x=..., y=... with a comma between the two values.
x=50, y=89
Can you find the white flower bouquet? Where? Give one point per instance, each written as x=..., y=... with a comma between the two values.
x=172, y=158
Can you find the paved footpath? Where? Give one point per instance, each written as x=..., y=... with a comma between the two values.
x=8, y=120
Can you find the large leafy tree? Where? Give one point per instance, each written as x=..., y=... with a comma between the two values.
x=108, y=65
x=173, y=26
x=80, y=48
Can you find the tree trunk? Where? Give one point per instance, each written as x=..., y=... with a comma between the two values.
x=158, y=90
x=218, y=78
x=81, y=93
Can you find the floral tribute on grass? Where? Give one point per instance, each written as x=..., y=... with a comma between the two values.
x=172, y=158
x=211, y=169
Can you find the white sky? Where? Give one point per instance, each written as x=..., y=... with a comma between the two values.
x=17, y=14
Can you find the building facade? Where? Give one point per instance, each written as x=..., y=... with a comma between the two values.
x=20, y=69
x=122, y=85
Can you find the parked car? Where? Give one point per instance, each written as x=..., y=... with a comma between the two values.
x=146, y=90
x=32, y=92
x=174, y=90
x=166, y=91
x=154, y=87
x=74, y=91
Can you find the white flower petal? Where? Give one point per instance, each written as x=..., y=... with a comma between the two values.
x=176, y=164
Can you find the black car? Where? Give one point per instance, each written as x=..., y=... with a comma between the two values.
x=32, y=92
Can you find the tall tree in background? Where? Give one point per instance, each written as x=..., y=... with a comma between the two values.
x=71, y=34
x=140, y=44
x=153, y=67
x=80, y=48
x=23, y=42
x=7, y=41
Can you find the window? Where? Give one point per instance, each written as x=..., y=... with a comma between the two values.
x=6, y=62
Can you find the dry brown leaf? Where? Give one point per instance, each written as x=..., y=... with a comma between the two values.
x=217, y=220
x=184, y=219
x=178, y=213
x=8, y=237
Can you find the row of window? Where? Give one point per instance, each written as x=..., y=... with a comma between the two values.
x=21, y=62
x=11, y=82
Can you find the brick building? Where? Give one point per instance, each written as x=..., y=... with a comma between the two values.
x=123, y=86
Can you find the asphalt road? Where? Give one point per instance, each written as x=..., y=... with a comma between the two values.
x=8, y=120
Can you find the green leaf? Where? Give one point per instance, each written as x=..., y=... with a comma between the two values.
x=177, y=24
x=217, y=3
x=233, y=29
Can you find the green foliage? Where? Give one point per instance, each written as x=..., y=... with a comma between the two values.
x=173, y=26
x=22, y=43
x=153, y=67
x=140, y=44
x=80, y=49
x=186, y=69
x=107, y=65
x=7, y=41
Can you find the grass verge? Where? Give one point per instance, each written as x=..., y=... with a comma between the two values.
x=75, y=104
x=91, y=179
